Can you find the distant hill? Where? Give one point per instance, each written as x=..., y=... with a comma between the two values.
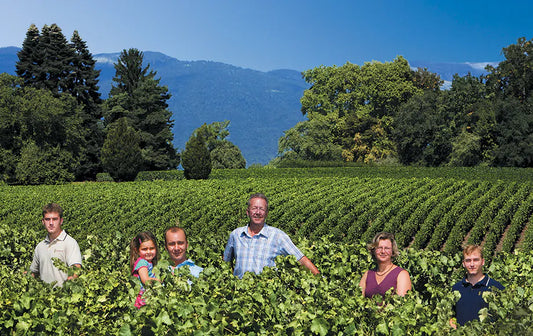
x=8, y=59
x=260, y=105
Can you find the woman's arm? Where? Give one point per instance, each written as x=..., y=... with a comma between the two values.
x=403, y=283
x=362, y=283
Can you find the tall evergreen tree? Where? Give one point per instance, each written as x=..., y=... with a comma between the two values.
x=83, y=81
x=138, y=96
x=56, y=57
x=48, y=61
x=196, y=160
x=121, y=154
x=83, y=85
x=29, y=57
x=129, y=72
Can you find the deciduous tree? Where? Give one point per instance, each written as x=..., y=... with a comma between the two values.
x=311, y=140
x=421, y=132
x=44, y=165
x=365, y=100
x=34, y=117
x=514, y=75
x=226, y=155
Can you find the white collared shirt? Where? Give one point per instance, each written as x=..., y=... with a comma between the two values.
x=65, y=248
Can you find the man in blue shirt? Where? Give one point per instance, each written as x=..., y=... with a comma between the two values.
x=472, y=286
x=257, y=245
x=176, y=245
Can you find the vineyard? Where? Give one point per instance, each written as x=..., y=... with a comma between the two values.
x=329, y=213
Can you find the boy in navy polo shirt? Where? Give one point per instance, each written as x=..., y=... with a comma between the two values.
x=472, y=286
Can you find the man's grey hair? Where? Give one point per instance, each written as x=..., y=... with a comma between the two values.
x=257, y=195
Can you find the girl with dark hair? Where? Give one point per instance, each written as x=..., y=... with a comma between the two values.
x=144, y=255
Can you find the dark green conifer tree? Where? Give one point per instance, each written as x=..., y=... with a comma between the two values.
x=48, y=61
x=83, y=85
x=196, y=159
x=57, y=57
x=121, y=154
x=29, y=57
x=138, y=96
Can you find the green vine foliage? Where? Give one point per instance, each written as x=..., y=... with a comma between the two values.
x=287, y=299
x=280, y=301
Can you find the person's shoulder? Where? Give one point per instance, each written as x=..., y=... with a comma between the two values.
x=141, y=262
x=40, y=246
x=68, y=237
x=238, y=230
x=494, y=283
x=274, y=230
x=458, y=285
x=192, y=265
x=41, y=243
x=402, y=271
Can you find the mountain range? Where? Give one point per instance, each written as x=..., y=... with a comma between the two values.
x=259, y=105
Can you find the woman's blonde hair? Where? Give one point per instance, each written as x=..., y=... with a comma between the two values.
x=383, y=236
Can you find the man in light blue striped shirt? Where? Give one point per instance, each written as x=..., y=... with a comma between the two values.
x=257, y=245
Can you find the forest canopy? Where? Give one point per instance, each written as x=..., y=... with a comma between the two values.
x=390, y=113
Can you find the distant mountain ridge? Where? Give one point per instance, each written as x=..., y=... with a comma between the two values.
x=260, y=105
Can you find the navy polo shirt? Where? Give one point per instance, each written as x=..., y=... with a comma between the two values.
x=471, y=301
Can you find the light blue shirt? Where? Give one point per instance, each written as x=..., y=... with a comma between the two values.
x=195, y=270
x=252, y=254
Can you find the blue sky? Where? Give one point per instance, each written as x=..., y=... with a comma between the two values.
x=282, y=34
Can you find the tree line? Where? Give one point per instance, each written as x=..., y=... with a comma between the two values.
x=54, y=126
x=389, y=113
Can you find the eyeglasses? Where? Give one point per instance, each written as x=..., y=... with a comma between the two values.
x=386, y=248
x=257, y=209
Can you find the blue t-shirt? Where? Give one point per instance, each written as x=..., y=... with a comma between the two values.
x=471, y=301
x=195, y=270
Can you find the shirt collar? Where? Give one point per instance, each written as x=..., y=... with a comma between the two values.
x=264, y=231
x=483, y=282
x=62, y=236
x=187, y=262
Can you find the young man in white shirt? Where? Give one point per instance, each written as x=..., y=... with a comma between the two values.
x=57, y=244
